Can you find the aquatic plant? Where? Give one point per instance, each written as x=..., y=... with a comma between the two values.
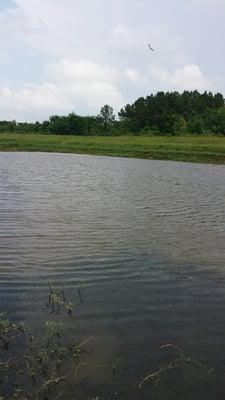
x=179, y=362
x=57, y=298
x=45, y=365
x=8, y=330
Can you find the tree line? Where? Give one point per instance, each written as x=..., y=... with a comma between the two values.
x=170, y=113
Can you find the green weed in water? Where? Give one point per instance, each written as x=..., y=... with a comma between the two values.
x=48, y=366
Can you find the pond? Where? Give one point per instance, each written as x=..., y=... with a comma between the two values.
x=139, y=247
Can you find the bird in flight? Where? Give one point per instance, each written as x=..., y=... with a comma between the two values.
x=150, y=47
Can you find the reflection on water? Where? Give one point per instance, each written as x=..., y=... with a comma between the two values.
x=143, y=239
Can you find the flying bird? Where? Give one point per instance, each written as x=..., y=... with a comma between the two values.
x=150, y=47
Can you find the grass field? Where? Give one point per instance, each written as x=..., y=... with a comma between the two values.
x=206, y=149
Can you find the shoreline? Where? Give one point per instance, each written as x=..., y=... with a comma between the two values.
x=195, y=149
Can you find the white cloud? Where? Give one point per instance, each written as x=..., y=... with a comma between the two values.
x=47, y=26
x=82, y=70
x=133, y=75
x=71, y=86
x=121, y=32
x=90, y=53
x=208, y=3
x=189, y=77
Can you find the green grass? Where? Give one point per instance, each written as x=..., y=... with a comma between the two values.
x=206, y=149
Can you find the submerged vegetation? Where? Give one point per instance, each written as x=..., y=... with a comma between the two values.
x=181, y=360
x=46, y=365
x=57, y=299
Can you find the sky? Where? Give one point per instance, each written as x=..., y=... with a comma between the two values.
x=59, y=56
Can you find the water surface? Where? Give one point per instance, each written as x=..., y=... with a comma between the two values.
x=145, y=240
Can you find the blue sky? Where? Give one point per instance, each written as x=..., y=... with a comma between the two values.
x=5, y=4
x=58, y=56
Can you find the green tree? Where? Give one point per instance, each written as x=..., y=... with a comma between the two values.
x=107, y=116
x=67, y=125
x=179, y=125
x=217, y=124
x=196, y=125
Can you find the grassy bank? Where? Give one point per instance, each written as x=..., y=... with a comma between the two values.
x=207, y=149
